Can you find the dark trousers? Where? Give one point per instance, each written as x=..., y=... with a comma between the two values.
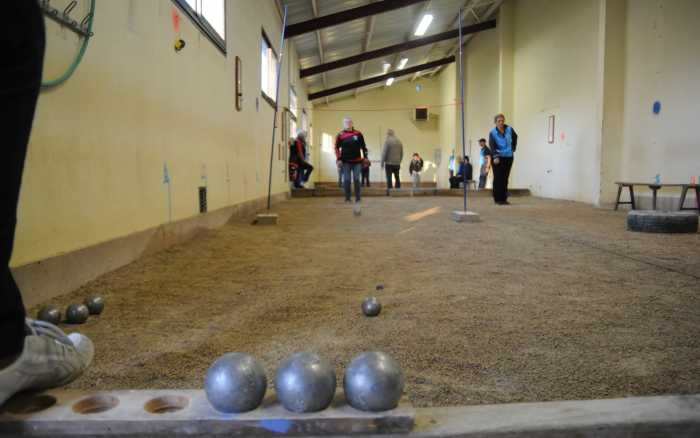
x=304, y=170
x=355, y=169
x=482, y=180
x=392, y=169
x=501, y=173
x=455, y=180
x=20, y=80
x=365, y=176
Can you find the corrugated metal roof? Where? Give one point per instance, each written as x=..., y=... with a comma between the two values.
x=392, y=27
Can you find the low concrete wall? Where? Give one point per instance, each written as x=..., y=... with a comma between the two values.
x=48, y=278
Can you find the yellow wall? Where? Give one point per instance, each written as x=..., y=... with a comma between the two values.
x=94, y=169
x=389, y=107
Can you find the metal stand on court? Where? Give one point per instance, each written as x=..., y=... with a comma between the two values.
x=269, y=218
x=463, y=215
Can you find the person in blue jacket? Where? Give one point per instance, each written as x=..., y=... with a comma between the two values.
x=502, y=141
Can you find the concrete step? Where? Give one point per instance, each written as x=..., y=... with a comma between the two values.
x=334, y=184
x=403, y=192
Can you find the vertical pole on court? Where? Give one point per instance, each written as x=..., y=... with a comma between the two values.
x=277, y=104
x=461, y=100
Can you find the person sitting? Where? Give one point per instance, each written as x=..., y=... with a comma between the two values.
x=297, y=155
x=464, y=174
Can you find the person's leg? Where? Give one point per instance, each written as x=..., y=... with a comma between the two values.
x=482, y=181
x=20, y=81
x=418, y=179
x=397, y=171
x=506, y=175
x=387, y=171
x=356, y=171
x=346, y=180
x=498, y=184
x=306, y=171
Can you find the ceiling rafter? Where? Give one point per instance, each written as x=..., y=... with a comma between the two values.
x=491, y=11
x=344, y=16
x=454, y=24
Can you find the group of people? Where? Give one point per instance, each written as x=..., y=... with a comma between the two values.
x=353, y=161
x=497, y=155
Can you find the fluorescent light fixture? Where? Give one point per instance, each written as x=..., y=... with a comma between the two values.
x=402, y=63
x=385, y=67
x=423, y=25
x=389, y=82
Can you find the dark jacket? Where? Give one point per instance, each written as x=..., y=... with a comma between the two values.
x=416, y=166
x=465, y=168
x=350, y=146
x=297, y=150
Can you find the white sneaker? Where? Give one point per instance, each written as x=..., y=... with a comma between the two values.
x=50, y=358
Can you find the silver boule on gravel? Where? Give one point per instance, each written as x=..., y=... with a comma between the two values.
x=373, y=382
x=371, y=306
x=305, y=382
x=49, y=314
x=95, y=304
x=77, y=314
x=235, y=383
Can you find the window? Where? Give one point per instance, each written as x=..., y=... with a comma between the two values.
x=293, y=101
x=292, y=128
x=209, y=16
x=268, y=72
x=304, y=121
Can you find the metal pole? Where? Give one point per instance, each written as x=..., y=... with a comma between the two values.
x=274, y=118
x=461, y=99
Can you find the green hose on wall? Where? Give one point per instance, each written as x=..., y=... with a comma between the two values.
x=71, y=69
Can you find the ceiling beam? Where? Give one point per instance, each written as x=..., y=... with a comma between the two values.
x=374, y=80
x=341, y=17
x=396, y=48
x=492, y=10
x=468, y=4
x=365, y=47
x=319, y=43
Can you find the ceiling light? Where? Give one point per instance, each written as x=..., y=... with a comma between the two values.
x=386, y=66
x=423, y=25
x=402, y=63
x=389, y=82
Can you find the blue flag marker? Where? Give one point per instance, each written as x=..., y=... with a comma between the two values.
x=166, y=180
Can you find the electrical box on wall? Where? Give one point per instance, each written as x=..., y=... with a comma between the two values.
x=420, y=114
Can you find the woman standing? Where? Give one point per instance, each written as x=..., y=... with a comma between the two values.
x=502, y=141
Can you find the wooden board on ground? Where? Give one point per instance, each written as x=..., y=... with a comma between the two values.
x=183, y=413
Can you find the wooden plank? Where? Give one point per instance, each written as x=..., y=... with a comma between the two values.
x=131, y=418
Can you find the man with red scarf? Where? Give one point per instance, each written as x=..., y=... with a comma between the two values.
x=350, y=151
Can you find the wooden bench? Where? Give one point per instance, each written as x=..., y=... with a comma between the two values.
x=654, y=189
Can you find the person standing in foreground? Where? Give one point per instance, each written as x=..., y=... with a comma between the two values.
x=33, y=354
x=502, y=141
x=392, y=155
x=484, y=163
x=350, y=150
x=415, y=169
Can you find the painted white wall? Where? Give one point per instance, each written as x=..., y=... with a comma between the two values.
x=662, y=64
x=555, y=71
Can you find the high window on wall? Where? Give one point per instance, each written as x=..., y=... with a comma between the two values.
x=293, y=101
x=209, y=16
x=268, y=70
